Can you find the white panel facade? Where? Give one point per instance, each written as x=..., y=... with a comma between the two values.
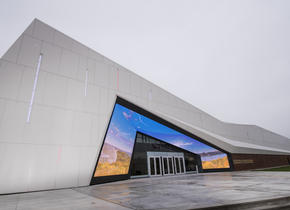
x=74, y=98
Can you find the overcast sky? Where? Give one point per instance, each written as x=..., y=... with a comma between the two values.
x=228, y=58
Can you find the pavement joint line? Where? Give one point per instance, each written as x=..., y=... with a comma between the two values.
x=234, y=205
x=110, y=201
x=185, y=189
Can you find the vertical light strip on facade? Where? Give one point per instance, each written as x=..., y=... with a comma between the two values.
x=34, y=88
x=117, y=79
x=86, y=82
x=150, y=95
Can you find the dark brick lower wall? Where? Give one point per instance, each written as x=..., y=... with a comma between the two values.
x=254, y=161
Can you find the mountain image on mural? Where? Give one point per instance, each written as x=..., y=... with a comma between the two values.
x=119, y=142
x=214, y=159
x=113, y=161
x=210, y=154
x=221, y=162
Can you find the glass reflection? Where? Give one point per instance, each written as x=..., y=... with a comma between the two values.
x=118, y=145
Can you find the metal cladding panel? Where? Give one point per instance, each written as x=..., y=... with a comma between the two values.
x=74, y=96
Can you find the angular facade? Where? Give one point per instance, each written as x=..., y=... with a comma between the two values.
x=71, y=117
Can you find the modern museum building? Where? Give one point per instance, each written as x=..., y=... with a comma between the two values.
x=71, y=117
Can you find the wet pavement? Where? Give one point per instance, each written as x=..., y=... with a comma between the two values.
x=171, y=192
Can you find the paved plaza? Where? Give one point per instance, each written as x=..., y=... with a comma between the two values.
x=172, y=192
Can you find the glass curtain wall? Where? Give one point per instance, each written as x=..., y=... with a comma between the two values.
x=119, y=141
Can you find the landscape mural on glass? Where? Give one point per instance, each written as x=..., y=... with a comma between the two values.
x=119, y=142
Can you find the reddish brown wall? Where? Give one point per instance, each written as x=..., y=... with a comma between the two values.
x=253, y=161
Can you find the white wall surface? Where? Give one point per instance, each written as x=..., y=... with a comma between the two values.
x=59, y=146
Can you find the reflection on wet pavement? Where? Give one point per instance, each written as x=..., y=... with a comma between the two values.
x=193, y=191
x=171, y=192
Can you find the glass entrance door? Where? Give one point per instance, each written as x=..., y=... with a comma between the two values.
x=171, y=165
x=165, y=165
x=154, y=166
x=168, y=166
x=179, y=165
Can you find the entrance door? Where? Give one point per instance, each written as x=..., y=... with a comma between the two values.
x=165, y=163
x=168, y=166
x=171, y=165
x=154, y=166
x=179, y=165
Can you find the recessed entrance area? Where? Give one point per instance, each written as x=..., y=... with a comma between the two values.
x=133, y=131
x=153, y=157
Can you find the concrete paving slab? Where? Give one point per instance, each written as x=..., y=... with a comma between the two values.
x=55, y=199
x=172, y=192
x=194, y=191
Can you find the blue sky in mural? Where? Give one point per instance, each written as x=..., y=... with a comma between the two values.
x=125, y=123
